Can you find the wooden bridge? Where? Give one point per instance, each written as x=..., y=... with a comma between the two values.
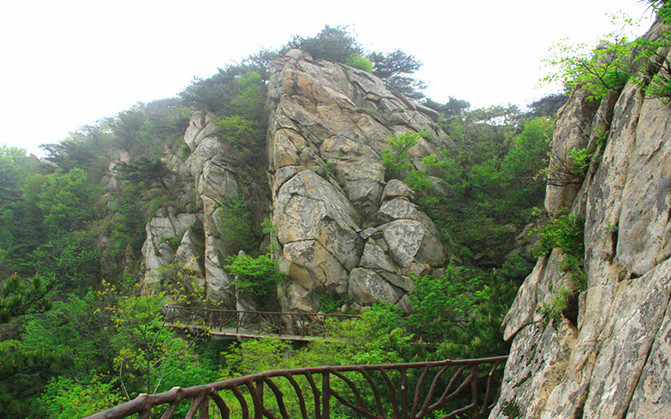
x=241, y=325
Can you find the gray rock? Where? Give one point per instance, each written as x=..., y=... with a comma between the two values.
x=401, y=209
x=412, y=246
x=612, y=362
x=397, y=189
x=367, y=287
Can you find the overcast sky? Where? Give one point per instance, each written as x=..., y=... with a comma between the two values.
x=67, y=63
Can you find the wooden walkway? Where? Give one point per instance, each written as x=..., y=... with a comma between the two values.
x=243, y=325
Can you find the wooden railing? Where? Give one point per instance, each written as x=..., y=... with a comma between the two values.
x=260, y=322
x=412, y=390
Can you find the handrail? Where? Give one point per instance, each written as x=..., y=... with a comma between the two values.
x=410, y=393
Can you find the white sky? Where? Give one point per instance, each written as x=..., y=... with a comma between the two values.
x=67, y=63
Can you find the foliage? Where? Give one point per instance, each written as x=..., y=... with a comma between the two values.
x=660, y=83
x=72, y=258
x=481, y=190
x=453, y=107
x=20, y=296
x=18, y=231
x=249, y=95
x=564, y=232
x=149, y=353
x=607, y=68
x=256, y=278
x=247, y=137
x=328, y=304
x=236, y=89
x=615, y=61
x=361, y=63
x=441, y=304
x=144, y=171
x=64, y=201
x=334, y=44
x=66, y=398
x=395, y=69
x=397, y=159
x=548, y=105
x=235, y=222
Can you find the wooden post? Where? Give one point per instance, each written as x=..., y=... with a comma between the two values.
x=404, y=392
x=258, y=400
x=326, y=396
x=474, y=391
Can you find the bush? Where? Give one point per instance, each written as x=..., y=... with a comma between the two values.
x=235, y=225
x=256, y=277
x=564, y=232
x=396, y=159
x=361, y=63
x=601, y=70
x=334, y=44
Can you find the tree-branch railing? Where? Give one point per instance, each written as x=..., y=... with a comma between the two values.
x=259, y=322
x=412, y=390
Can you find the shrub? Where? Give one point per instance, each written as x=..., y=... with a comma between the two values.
x=396, y=159
x=334, y=44
x=606, y=68
x=361, y=63
x=256, y=277
x=564, y=232
x=235, y=224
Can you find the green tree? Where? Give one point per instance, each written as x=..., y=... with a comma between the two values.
x=235, y=222
x=256, y=278
x=66, y=398
x=397, y=159
x=606, y=68
x=63, y=201
x=361, y=63
x=395, y=69
x=149, y=352
x=19, y=296
x=333, y=43
x=16, y=228
x=145, y=170
x=441, y=304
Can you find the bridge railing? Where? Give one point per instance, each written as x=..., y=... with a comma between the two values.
x=412, y=390
x=262, y=322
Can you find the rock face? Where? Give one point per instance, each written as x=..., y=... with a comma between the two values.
x=192, y=237
x=613, y=361
x=342, y=230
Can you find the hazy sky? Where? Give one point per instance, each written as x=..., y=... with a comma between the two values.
x=67, y=63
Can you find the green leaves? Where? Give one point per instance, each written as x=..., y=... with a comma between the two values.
x=256, y=277
x=361, y=63
x=396, y=159
x=144, y=170
x=333, y=43
x=19, y=296
x=64, y=200
x=564, y=232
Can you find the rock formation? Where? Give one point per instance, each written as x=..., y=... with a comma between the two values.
x=613, y=360
x=341, y=230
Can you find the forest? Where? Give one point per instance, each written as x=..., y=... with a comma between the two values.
x=81, y=332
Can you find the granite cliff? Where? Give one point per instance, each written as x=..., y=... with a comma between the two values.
x=611, y=360
x=339, y=229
